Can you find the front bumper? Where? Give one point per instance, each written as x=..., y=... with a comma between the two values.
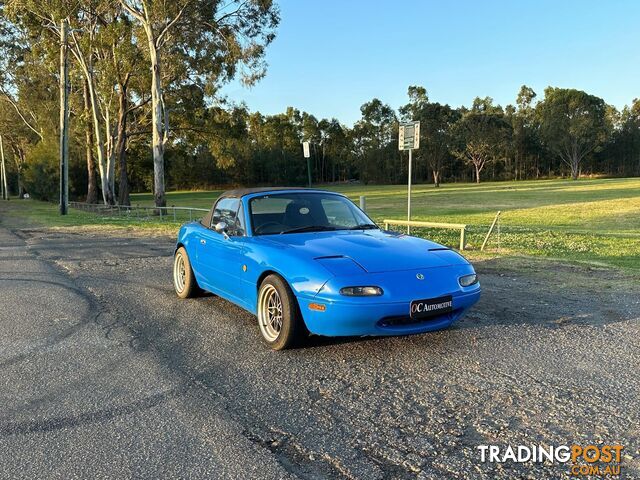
x=357, y=318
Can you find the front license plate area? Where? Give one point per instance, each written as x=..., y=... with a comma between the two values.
x=431, y=307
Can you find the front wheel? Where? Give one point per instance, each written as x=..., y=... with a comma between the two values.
x=184, y=281
x=279, y=318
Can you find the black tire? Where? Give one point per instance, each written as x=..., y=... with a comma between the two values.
x=292, y=326
x=185, y=285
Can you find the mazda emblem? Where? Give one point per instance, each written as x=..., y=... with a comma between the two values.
x=419, y=276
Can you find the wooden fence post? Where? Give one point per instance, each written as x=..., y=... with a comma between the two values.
x=486, y=239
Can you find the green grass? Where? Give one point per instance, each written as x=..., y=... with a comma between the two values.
x=586, y=205
x=595, y=221
x=588, y=220
x=28, y=214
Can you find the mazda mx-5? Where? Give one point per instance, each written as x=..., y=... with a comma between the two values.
x=310, y=261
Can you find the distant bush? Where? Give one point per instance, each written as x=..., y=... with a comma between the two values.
x=41, y=177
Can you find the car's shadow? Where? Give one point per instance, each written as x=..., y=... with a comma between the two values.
x=315, y=341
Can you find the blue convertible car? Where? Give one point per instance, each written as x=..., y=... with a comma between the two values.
x=307, y=260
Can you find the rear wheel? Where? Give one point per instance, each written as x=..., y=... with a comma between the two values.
x=279, y=318
x=184, y=281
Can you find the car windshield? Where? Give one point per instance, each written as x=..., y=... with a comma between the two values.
x=282, y=213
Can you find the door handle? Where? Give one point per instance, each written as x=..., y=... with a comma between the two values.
x=203, y=241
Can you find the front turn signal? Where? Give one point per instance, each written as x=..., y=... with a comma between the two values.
x=318, y=307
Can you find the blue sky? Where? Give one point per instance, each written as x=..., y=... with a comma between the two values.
x=331, y=56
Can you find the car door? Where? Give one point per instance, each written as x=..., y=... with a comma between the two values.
x=219, y=256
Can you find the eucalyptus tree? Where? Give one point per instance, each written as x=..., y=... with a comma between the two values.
x=121, y=90
x=14, y=65
x=214, y=38
x=573, y=124
x=311, y=133
x=524, y=129
x=17, y=138
x=101, y=41
x=482, y=134
x=227, y=137
x=87, y=23
x=43, y=21
x=87, y=119
x=374, y=142
x=335, y=148
x=625, y=141
x=436, y=129
x=275, y=147
x=28, y=86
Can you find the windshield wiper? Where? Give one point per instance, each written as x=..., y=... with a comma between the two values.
x=309, y=228
x=364, y=226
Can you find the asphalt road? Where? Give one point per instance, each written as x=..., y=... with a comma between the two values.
x=105, y=373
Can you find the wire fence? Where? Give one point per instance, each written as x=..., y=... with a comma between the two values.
x=142, y=213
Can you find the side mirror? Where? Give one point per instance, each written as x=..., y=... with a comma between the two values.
x=221, y=227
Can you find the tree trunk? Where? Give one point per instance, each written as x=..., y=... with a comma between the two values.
x=333, y=170
x=436, y=178
x=87, y=70
x=110, y=155
x=92, y=189
x=20, y=186
x=19, y=169
x=107, y=194
x=574, y=168
x=19, y=160
x=157, y=120
x=3, y=173
x=477, y=174
x=574, y=164
x=575, y=160
x=121, y=147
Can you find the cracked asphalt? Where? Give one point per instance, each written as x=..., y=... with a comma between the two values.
x=105, y=373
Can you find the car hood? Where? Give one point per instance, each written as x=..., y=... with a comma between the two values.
x=373, y=250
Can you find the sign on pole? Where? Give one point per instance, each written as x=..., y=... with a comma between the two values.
x=409, y=136
x=409, y=139
x=307, y=155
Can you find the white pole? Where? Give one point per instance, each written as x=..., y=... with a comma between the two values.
x=409, y=193
x=3, y=176
x=1, y=170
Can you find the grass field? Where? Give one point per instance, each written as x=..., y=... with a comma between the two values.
x=595, y=221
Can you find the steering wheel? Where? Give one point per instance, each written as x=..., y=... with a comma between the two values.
x=260, y=228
